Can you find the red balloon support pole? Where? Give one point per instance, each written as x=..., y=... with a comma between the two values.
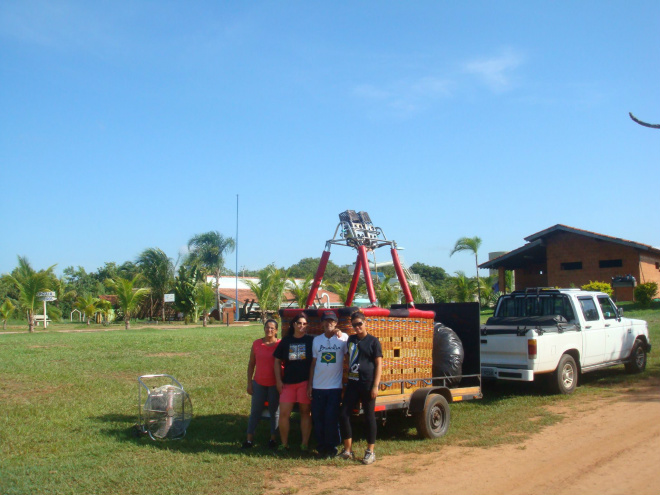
x=318, y=277
x=362, y=253
x=402, y=277
x=354, y=282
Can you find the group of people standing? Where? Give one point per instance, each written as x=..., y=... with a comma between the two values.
x=306, y=370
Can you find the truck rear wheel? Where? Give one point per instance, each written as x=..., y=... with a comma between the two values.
x=433, y=421
x=637, y=362
x=565, y=378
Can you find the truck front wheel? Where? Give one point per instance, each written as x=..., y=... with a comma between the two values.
x=433, y=421
x=564, y=379
x=637, y=362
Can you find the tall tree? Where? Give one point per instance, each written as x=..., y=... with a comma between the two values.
x=208, y=251
x=158, y=270
x=471, y=244
x=30, y=283
x=128, y=296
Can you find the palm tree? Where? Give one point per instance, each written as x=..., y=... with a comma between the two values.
x=105, y=308
x=128, y=297
x=269, y=290
x=300, y=291
x=88, y=305
x=386, y=293
x=30, y=283
x=340, y=289
x=471, y=244
x=208, y=250
x=205, y=298
x=465, y=287
x=186, y=286
x=158, y=270
x=6, y=310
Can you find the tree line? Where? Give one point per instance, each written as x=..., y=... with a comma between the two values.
x=137, y=288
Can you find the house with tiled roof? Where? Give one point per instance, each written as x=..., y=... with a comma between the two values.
x=563, y=256
x=228, y=287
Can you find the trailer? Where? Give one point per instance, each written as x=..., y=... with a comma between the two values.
x=430, y=351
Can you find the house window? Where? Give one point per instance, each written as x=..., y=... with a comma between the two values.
x=572, y=265
x=610, y=263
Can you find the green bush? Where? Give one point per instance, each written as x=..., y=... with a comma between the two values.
x=599, y=287
x=644, y=293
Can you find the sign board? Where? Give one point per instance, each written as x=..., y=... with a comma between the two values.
x=168, y=297
x=46, y=296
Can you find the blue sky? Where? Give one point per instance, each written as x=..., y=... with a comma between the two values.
x=128, y=125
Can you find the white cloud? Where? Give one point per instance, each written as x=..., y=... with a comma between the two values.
x=407, y=95
x=495, y=72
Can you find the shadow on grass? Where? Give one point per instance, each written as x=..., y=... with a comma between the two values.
x=218, y=433
x=224, y=434
x=500, y=390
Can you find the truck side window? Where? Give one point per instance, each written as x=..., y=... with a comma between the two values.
x=588, y=308
x=607, y=307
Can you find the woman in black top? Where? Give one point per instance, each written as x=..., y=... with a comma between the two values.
x=294, y=353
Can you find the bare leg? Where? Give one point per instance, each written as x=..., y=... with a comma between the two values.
x=285, y=413
x=305, y=422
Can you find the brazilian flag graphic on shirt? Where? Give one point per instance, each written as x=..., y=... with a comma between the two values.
x=329, y=357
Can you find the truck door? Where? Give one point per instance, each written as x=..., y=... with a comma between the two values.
x=619, y=343
x=593, y=332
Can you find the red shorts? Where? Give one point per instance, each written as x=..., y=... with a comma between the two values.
x=295, y=392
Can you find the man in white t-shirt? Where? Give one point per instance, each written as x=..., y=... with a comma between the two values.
x=325, y=384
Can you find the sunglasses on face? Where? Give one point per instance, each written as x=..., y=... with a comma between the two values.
x=357, y=325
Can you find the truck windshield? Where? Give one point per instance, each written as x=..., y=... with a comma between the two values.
x=536, y=305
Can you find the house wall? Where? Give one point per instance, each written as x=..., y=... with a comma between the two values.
x=531, y=276
x=649, y=269
x=566, y=247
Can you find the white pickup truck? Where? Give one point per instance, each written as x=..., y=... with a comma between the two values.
x=559, y=333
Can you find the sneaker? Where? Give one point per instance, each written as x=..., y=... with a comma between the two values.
x=282, y=448
x=272, y=444
x=369, y=457
x=345, y=454
x=304, y=448
x=247, y=445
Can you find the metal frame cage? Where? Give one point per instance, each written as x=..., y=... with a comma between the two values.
x=166, y=411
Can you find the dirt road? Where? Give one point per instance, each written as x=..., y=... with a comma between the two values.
x=606, y=446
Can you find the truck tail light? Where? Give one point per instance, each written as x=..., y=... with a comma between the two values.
x=531, y=348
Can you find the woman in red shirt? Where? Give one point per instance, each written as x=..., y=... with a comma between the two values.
x=261, y=383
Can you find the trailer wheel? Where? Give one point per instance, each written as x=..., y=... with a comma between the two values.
x=637, y=362
x=433, y=421
x=565, y=378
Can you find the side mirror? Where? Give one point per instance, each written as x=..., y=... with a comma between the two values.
x=619, y=312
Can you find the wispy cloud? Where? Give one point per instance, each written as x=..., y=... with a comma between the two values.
x=496, y=72
x=408, y=95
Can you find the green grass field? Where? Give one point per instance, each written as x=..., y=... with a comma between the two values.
x=68, y=401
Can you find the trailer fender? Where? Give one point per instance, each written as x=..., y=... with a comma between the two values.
x=418, y=398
